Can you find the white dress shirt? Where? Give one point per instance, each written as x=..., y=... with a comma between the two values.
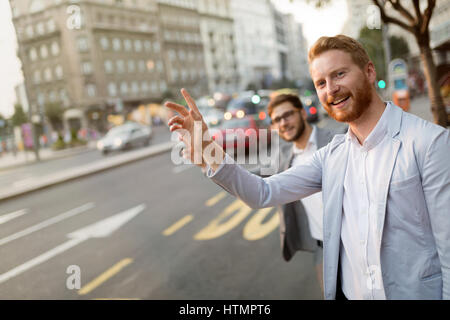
x=359, y=254
x=313, y=204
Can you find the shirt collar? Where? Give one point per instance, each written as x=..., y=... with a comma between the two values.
x=378, y=132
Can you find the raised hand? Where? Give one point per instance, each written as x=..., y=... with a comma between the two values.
x=191, y=127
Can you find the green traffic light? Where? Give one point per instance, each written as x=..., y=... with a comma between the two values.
x=381, y=84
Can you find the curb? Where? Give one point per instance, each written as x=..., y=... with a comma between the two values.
x=85, y=170
x=58, y=155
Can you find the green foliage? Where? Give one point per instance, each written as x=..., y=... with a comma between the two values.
x=54, y=113
x=19, y=117
x=372, y=40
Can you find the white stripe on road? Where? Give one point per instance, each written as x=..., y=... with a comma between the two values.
x=47, y=223
x=9, y=216
x=40, y=259
x=100, y=229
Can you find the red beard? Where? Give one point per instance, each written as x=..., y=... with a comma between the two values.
x=360, y=102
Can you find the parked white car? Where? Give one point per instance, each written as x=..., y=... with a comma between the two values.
x=126, y=136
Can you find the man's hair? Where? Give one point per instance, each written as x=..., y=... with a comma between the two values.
x=282, y=98
x=343, y=43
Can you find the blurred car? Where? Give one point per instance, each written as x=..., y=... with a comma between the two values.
x=311, y=106
x=238, y=132
x=243, y=105
x=126, y=136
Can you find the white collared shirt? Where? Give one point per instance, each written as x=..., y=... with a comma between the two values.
x=313, y=204
x=360, y=251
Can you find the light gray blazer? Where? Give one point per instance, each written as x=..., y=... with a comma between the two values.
x=413, y=216
x=294, y=229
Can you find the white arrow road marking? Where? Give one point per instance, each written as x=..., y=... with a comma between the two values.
x=9, y=216
x=99, y=229
x=47, y=223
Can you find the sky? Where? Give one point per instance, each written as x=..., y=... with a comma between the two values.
x=331, y=18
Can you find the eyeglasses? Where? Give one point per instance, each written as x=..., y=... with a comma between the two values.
x=287, y=115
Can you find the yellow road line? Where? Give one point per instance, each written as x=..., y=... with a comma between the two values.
x=105, y=276
x=178, y=225
x=215, y=199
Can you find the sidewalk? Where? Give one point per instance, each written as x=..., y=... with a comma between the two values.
x=22, y=158
x=8, y=192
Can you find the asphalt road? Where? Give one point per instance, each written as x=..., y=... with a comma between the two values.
x=173, y=235
x=209, y=257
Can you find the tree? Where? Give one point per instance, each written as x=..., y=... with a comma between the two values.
x=54, y=113
x=417, y=22
x=371, y=39
x=19, y=117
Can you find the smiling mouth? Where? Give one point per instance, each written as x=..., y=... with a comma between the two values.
x=335, y=103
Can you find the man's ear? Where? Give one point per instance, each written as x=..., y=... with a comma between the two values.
x=303, y=113
x=371, y=73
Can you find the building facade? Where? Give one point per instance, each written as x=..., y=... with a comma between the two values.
x=256, y=43
x=217, y=31
x=93, y=57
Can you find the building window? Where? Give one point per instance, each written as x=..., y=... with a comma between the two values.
x=138, y=45
x=86, y=67
x=33, y=54
x=141, y=65
x=162, y=86
x=104, y=43
x=144, y=86
x=131, y=66
x=120, y=66
x=159, y=66
x=55, y=48
x=82, y=44
x=91, y=90
x=64, y=98
x=108, y=66
x=127, y=44
x=58, y=72
x=29, y=31
x=135, y=87
x=44, y=52
x=123, y=88
x=154, y=86
x=156, y=47
x=147, y=46
x=52, y=96
x=51, y=26
x=36, y=5
x=182, y=55
x=112, y=89
x=41, y=98
x=47, y=74
x=172, y=55
x=116, y=44
x=40, y=28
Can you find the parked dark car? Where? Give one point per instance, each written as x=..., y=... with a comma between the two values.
x=126, y=136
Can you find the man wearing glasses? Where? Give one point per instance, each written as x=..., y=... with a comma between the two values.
x=300, y=221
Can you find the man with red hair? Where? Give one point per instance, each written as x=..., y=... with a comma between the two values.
x=385, y=183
